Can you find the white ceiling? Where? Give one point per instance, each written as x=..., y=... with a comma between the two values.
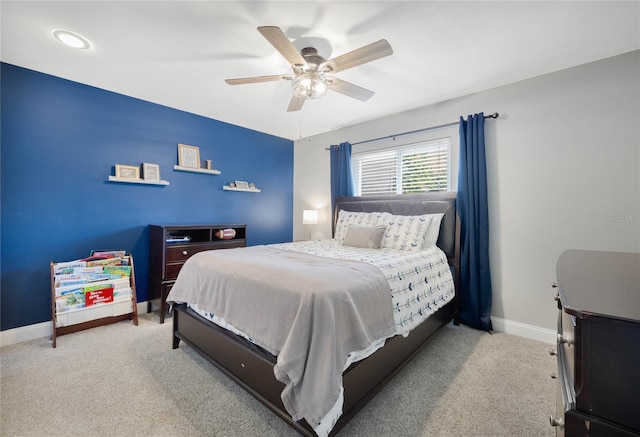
x=178, y=53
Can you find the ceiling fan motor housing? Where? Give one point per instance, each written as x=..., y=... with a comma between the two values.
x=310, y=54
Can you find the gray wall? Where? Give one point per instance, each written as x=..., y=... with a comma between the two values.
x=563, y=162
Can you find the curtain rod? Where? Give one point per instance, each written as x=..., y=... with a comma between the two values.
x=494, y=115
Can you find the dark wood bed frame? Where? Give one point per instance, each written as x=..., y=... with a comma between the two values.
x=252, y=368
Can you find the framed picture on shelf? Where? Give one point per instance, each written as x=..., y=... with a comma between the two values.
x=188, y=156
x=243, y=185
x=150, y=172
x=127, y=171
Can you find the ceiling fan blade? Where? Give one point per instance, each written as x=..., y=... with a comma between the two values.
x=279, y=40
x=257, y=79
x=296, y=103
x=368, y=53
x=351, y=90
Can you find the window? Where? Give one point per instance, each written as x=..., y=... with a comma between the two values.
x=415, y=168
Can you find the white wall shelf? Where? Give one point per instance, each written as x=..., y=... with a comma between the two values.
x=137, y=181
x=196, y=170
x=248, y=190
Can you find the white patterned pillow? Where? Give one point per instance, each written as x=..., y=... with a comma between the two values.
x=431, y=237
x=346, y=218
x=411, y=232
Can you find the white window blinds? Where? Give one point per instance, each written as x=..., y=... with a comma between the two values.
x=414, y=168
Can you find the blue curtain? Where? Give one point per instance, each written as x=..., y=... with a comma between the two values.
x=341, y=181
x=475, y=274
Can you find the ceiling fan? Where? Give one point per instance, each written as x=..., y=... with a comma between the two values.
x=312, y=74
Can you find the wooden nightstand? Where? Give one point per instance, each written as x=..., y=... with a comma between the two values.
x=171, y=245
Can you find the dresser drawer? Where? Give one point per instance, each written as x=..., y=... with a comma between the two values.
x=182, y=253
x=177, y=255
x=172, y=270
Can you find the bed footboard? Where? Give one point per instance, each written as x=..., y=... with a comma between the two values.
x=253, y=369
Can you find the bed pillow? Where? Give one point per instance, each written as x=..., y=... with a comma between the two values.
x=368, y=237
x=346, y=218
x=411, y=232
x=433, y=231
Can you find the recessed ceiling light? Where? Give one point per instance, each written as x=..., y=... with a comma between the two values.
x=71, y=39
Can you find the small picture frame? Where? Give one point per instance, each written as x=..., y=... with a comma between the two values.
x=127, y=171
x=151, y=172
x=188, y=156
x=243, y=185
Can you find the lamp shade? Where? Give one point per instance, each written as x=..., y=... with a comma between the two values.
x=310, y=217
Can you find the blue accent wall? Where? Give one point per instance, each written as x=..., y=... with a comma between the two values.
x=60, y=142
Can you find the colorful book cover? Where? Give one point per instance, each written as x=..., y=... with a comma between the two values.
x=71, y=300
x=67, y=267
x=87, y=270
x=103, y=277
x=108, y=253
x=71, y=282
x=122, y=271
x=104, y=262
x=66, y=280
x=98, y=294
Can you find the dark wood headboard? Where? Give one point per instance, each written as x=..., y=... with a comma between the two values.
x=414, y=204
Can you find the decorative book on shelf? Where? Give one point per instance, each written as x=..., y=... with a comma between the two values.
x=93, y=291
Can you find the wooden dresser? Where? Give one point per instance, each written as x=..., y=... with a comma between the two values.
x=598, y=348
x=171, y=245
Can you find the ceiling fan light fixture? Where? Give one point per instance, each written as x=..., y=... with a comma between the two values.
x=310, y=85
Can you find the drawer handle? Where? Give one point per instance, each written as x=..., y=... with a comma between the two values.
x=565, y=340
x=553, y=352
x=554, y=421
x=558, y=300
x=553, y=375
x=184, y=252
x=554, y=285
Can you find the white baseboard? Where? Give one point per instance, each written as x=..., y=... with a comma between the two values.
x=38, y=330
x=523, y=330
x=25, y=333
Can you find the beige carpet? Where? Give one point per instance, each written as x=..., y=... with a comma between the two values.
x=123, y=380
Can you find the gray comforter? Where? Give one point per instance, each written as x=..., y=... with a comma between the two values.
x=309, y=311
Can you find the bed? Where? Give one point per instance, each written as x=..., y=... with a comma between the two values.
x=254, y=364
